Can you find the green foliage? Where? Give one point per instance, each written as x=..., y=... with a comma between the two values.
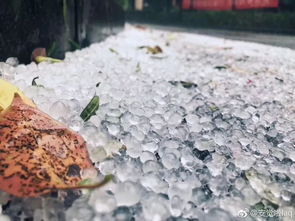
x=125, y=4
x=90, y=109
x=74, y=45
x=52, y=50
x=16, y=5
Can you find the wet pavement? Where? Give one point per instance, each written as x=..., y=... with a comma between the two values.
x=280, y=40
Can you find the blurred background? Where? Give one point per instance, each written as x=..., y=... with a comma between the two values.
x=67, y=25
x=276, y=16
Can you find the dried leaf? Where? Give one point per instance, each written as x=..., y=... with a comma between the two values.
x=37, y=153
x=156, y=50
x=141, y=27
x=152, y=50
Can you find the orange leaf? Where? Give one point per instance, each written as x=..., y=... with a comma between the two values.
x=38, y=154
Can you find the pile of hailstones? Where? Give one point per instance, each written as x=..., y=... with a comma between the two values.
x=203, y=142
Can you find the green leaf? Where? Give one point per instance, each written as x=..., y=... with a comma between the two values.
x=214, y=108
x=86, y=182
x=34, y=81
x=138, y=68
x=185, y=84
x=52, y=50
x=90, y=109
x=35, y=84
x=220, y=67
x=74, y=45
x=113, y=51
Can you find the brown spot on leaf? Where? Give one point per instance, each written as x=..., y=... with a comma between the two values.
x=74, y=170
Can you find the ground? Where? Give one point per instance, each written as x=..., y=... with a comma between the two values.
x=208, y=125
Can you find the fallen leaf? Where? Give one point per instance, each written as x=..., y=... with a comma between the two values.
x=224, y=48
x=7, y=91
x=138, y=67
x=113, y=51
x=38, y=52
x=213, y=108
x=220, y=67
x=141, y=27
x=90, y=109
x=34, y=83
x=39, y=154
x=279, y=79
x=152, y=50
x=40, y=59
x=185, y=84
